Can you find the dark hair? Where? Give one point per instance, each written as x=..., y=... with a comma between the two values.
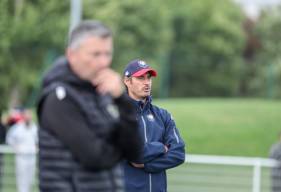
x=86, y=29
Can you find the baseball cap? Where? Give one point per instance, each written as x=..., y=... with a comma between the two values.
x=138, y=68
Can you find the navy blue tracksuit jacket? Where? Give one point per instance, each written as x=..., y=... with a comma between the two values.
x=157, y=129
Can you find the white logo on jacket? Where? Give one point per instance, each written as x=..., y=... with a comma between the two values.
x=113, y=111
x=60, y=92
x=150, y=117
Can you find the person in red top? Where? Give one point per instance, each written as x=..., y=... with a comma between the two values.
x=15, y=116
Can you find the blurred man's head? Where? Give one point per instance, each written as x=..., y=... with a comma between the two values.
x=138, y=79
x=90, y=49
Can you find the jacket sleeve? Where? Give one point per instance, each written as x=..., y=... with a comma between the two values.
x=64, y=119
x=126, y=135
x=153, y=150
x=150, y=151
x=176, y=152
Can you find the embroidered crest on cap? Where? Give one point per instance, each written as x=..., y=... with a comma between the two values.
x=60, y=92
x=142, y=64
x=127, y=73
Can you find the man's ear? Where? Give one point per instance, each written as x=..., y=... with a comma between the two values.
x=126, y=81
x=69, y=53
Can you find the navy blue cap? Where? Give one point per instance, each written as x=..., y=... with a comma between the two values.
x=138, y=68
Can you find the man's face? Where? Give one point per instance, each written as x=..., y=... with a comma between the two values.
x=139, y=87
x=92, y=55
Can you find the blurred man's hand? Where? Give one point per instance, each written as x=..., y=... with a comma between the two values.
x=109, y=81
x=136, y=165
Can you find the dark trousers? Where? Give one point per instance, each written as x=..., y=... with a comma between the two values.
x=276, y=179
x=1, y=171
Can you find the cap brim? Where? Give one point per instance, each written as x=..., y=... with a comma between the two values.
x=144, y=71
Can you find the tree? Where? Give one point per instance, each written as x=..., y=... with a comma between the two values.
x=206, y=53
x=268, y=30
x=31, y=28
x=5, y=43
x=141, y=28
x=28, y=30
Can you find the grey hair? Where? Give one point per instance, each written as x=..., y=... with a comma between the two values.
x=88, y=28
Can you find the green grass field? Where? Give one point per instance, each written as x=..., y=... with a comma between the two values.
x=240, y=127
x=215, y=178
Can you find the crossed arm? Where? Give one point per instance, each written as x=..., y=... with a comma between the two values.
x=159, y=156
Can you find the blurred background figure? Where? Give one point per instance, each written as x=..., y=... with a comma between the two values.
x=15, y=115
x=22, y=137
x=275, y=153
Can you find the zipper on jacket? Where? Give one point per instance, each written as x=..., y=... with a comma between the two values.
x=145, y=138
x=150, y=183
x=176, y=135
x=144, y=127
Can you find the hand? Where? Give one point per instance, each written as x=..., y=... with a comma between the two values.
x=166, y=148
x=109, y=81
x=136, y=165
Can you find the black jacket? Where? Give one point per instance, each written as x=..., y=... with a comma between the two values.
x=83, y=135
x=275, y=153
x=2, y=133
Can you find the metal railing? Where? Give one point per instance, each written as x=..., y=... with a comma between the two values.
x=222, y=173
x=200, y=173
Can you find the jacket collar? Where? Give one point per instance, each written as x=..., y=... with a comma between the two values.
x=140, y=104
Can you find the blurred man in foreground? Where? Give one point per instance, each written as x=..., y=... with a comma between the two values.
x=87, y=124
x=163, y=146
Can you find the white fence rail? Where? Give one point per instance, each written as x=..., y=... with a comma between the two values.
x=208, y=173
x=200, y=173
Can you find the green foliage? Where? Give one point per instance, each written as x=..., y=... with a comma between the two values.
x=207, y=48
x=241, y=127
x=196, y=46
x=28, y=30
x=268, y=30
x=5, y=30
x=141, y=28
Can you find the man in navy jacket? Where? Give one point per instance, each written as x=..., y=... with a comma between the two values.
x=163, y=146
